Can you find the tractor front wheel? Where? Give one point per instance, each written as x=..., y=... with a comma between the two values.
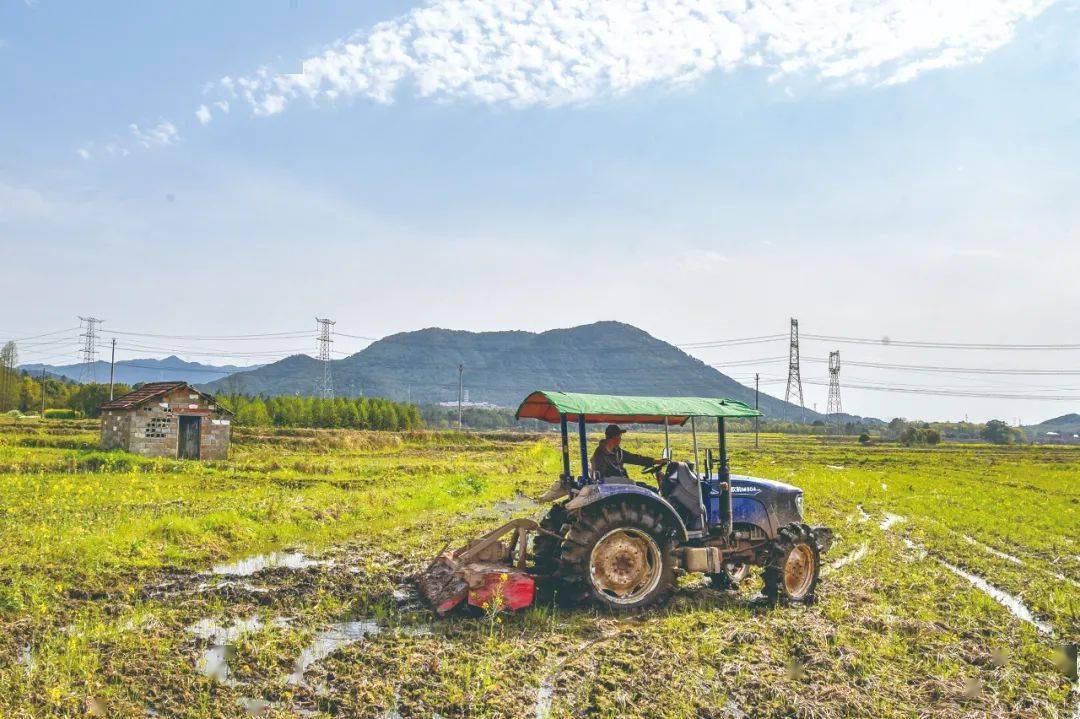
x=619, y=556
x=734, y=573
x=794, y=565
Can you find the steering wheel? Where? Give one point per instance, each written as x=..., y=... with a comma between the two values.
x=654, y=469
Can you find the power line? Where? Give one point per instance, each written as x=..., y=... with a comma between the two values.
x=885, y=341
x=356, y=337
x=958, y=370
x=953, y=393
x=45, y=334
x=256, y=336
x=728, y=343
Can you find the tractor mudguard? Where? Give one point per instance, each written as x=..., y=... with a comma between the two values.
x=595, y=494
x=750, y=511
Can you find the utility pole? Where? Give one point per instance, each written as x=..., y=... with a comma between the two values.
x=757, y=420
x=834, y=408
x=112, y=369
x=88, y=373
x=326, y=384
x=794, y=379
x=460, y=371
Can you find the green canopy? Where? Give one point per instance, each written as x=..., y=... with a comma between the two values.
x=602, y=408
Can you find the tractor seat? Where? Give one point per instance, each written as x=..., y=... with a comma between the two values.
x=682, y=488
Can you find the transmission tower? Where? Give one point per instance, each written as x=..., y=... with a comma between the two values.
x=88, y=371
x=326, y=384
x=834, y=409
x=793, y=377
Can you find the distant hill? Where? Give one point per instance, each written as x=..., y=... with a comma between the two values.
x=846, y=418
x=502, y=367
x=142, y=370
x=1066, y=423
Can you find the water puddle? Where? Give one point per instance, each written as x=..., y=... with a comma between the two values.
x=520, y=503
x=251, y=565
x=545, y=694
x=340, y=635
x=732, y=710
x=329, y=641
x=1013, y=604
x=920, y=552
x=255, y=707
x=850, y=558
x=996, y=552
x=214, y=662
x=26, y=658
x=890, y=520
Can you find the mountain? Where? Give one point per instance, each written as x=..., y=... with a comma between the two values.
x=1066, y=423
x=142, y=370
x=502, y=367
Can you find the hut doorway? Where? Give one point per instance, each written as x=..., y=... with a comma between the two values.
x=190, y=429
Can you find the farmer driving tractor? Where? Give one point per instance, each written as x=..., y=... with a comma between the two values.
x=609, y=457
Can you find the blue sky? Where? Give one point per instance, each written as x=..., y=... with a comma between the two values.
x=914, y=178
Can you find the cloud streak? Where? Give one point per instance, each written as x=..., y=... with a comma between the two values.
x=551, y=53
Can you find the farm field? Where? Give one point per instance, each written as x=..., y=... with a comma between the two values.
x=952, y=590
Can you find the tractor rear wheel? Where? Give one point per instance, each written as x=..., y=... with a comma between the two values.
x=545, y=547
x=619, y=556
x=794, y=565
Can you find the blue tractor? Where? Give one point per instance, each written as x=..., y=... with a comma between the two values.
x=619, y=543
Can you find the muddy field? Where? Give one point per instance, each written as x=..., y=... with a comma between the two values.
x=276, y=584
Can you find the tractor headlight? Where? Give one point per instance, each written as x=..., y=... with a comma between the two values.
x=798, y=504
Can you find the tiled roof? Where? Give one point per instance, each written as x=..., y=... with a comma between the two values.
x=149, y=391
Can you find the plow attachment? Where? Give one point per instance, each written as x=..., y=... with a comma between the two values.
x=487, y=572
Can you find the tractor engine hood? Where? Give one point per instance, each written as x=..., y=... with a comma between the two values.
x=765, y=503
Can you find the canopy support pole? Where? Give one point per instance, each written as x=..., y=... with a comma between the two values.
x=565, y=446
x=667, y=440
x=724, y=475
x=584, y=447
x=693, y=433
x=721, y=431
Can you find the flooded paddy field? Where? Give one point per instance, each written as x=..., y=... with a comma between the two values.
x=276, y=584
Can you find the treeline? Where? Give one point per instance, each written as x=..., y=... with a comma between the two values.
x=339, y=412
x=483, y=418
x=22, y=392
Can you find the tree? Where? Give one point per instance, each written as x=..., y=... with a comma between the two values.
x=29, y=395
x=9, y=381
x=997, y=432
x=253, y=414
x=88, y=398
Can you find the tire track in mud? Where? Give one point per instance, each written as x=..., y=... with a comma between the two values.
x=1010, y=602
x=847, y=559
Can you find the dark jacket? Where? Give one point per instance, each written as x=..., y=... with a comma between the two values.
x=610, y=464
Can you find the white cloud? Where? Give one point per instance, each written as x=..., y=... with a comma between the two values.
x=557, y=52
x=83, y=153
x=204, y=115
x=162, y=134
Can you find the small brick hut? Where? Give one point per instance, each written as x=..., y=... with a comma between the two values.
x=167, y=419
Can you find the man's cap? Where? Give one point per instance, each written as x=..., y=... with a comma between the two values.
x=613, y=430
